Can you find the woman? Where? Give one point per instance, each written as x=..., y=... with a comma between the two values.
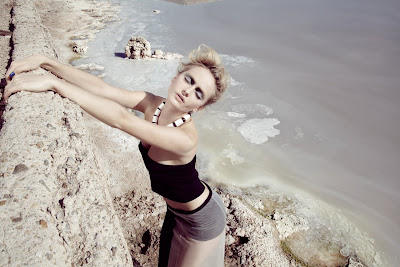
x=193, y=232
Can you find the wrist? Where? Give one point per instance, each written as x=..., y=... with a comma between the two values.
x=44, y=62
x=55, y=83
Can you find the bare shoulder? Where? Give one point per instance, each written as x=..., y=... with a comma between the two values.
x=148, y=103
x=189, y=130
x=175, y=145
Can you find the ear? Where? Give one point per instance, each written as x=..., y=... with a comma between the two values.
x=199, y=109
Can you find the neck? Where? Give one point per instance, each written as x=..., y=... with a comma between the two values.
x=169, y=114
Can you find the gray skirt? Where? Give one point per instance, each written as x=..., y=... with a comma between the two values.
x=196, y=238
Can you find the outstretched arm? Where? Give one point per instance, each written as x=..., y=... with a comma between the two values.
x=177, y=140
x=77, y=77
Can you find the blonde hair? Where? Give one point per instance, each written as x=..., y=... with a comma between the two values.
x=205, y=56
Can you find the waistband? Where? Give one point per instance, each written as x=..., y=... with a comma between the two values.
x=197, y=209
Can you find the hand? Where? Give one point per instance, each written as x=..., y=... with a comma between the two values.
x=23, y=65
x=29, y=82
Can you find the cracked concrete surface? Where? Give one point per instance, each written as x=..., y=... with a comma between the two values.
x=56, y=209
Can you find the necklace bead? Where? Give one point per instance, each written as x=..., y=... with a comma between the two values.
x=176, y=123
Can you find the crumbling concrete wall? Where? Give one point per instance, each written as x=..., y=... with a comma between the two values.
x=55, y=209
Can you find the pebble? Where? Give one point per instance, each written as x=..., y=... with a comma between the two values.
x=14, y=220
x=230, y=240
x=240, y=232
x=20, y=168
x=43, y=223
x=40, y=144
x=49, y=256
x=114, y=250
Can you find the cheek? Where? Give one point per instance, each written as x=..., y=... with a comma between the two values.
x=171, y=87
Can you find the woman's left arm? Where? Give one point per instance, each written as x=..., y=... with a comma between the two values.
x=177, y=140
x=102, y=108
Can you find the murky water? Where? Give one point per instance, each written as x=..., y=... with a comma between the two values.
x=314, y=103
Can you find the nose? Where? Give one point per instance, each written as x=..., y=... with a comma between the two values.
x=186, y=92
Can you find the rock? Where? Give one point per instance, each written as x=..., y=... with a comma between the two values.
x=138, y=48
x=40, y=144
x=229, y=240
x=79, y=47
x=157, y=54
x=354, y=262
x=38, y=135
x=43, y=224
x=20, y=168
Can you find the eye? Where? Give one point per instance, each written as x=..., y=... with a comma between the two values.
x=188, y=79
x=199, y=94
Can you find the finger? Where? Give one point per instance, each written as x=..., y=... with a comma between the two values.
x=9, y=76
x=11, y=72
x=7, y=91
x=11, y=88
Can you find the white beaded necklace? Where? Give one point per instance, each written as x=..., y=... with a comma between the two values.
x=176, y=123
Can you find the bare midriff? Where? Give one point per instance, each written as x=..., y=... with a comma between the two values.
x=191, y=205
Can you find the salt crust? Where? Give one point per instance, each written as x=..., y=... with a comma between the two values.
x=257, y=131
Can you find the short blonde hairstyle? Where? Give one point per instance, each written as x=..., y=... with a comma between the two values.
x=205, y=56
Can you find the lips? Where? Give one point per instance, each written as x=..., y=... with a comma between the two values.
x=180, y=97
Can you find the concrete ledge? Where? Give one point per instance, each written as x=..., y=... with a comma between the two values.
x=55, y=209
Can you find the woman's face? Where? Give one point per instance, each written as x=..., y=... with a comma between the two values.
x=191, y=89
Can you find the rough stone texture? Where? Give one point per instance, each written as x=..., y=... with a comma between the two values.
x=251, y=236
x=5, y=37
x=56, y=209
x=72, y=24
x=138, y=48
x=5, y=46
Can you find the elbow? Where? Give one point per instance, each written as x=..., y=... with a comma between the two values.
x=124, y=120
x=117, y=124
x=119, y=121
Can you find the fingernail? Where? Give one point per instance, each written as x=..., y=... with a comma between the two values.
x=12, y=74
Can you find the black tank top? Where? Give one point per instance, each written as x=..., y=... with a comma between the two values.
x=179, y=183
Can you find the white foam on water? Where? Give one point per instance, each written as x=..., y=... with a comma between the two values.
x=257, y=131
x=253, y=109
x=233, y=82
x=299, y=133
x=232, y=154
x=235, y=61
x=236, y=115
x=315, y=229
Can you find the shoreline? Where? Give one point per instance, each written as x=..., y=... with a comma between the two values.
x=89, y=156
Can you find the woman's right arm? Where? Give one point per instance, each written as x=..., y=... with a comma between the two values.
x=82, y=79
